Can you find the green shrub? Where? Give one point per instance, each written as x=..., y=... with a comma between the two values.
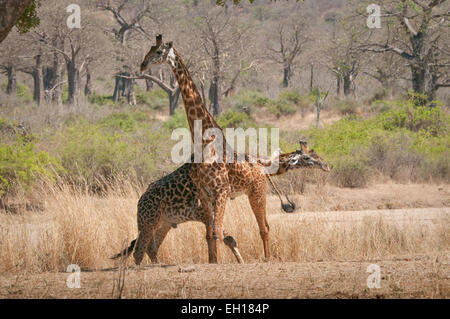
x=156, y=99
x=406, y=142
x=250, y=98
x=300, y=102
x=101, y=100
x=351, y=171
x=93, y=155
x=282, y=107
x=24, y=93
x=21, y=165
x=416, y=118
x=126, y=122
x=235, y=119
x=381, y=106
x=346, y=107
x=179, y=119
x=393, y=156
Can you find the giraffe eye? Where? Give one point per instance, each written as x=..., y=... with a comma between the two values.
x=159, y=52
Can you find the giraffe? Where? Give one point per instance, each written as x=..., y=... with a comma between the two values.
x=173, y=200
x=212, y=176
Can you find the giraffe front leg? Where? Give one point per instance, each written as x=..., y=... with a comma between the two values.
x=258, y=203
x=219, y=212
x=210, y=241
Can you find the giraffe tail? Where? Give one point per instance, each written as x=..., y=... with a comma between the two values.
x=288, y=207
x=126, y=251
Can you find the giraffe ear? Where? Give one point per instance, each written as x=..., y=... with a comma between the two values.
x=170, y=44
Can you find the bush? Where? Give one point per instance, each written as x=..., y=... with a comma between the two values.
x=93, y=155
x=282, y=107
x=250, y=98
x=24, y=93
x=21, y=165
x=405, y=143
x=126, y=122
x=346, y=107
x=393, y=156
x=350, y=171
x=300, y=102
x=416, y=118
x=101, y=100
x=156, y=99
x=235, y=119
x=178, y=119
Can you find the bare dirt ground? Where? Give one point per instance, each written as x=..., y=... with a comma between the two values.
x=417, y=276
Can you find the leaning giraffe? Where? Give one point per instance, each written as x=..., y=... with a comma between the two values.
x=211, y=176
x=173, y=200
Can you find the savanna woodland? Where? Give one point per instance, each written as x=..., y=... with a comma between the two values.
x=83, y=133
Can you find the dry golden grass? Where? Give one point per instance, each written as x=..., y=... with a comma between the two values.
x=77, y=228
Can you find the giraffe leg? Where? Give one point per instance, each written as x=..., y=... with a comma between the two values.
x=219, y=211
x=210, y=241
x=258, y=204
x=141, y=244
x=156, y=240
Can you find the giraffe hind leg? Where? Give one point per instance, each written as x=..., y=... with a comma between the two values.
x=156, y=240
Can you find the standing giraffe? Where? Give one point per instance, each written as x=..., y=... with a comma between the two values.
x=211, y=177
x=173, y=200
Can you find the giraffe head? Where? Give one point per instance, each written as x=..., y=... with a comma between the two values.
x=304, y=157
x=158, y=54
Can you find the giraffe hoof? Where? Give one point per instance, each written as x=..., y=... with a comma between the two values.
x=289, y=207
x=230, y=242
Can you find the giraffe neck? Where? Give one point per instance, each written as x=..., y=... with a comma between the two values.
x=193, y=104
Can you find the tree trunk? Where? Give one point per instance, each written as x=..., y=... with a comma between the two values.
x=38, y=78
x=286, y=76
x=214, y=96
x=52, y=80
x=73, y=79
x=347, y=84
x=338, y=85
x=318, y=109
x=148, y=83
x=118, y=88
x=174, y=97
x=124, y=88
x=12, y=81
x=129, y=89
x=311, y=78
x=88, y=85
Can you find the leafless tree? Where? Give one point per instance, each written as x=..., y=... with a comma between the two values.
x=221, y=39
x=128, y=14
x=290, y=44
x=418, y=32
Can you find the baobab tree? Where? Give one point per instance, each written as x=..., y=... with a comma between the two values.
x=290, y=43
x=221, y=39
x=418, y=32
